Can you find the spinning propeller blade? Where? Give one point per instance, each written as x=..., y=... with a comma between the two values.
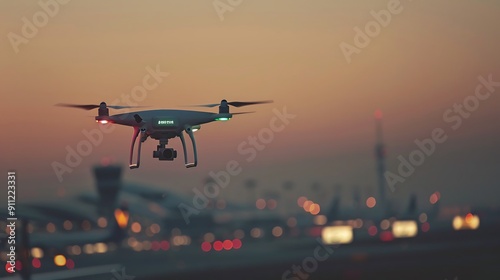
x=241, y=104
x=93, y=106
x=235, y=103
x=240, y=113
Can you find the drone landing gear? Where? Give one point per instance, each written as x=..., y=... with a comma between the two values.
x=144, y=136
x=189, y=131
x=162, y=152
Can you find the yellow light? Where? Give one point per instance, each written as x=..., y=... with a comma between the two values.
x=291, y=222
x=301, y=200
x=314, y=209
x=209, y=237
x=457, y=223
x=75, y=250
x=468, y=222
x=385, y=224
x=320, y=220
x=473, y=222
x=238, y=234
x=277, y=231
x=121, y=218
x=155, y=228
x=60, y=260
x=100, y=247
x=68, y=225
x=146, y=245
x=102, y=222
x=51, y=227
x=88, y=249
x=307, y=205
x=138, y=247
x=132, y=242
x=256, y=233
x=401, y=229
x=422, y=218
x=260, y=204
x=36, y=252
x=358, y=223
x=181, y=240
x=337, y=235
x=86, y=225
x=136, y=227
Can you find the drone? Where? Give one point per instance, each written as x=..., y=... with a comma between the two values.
x=163, y=125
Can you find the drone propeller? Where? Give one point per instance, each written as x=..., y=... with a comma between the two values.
x=240, y=113
x=93, y=106
x=235, y=103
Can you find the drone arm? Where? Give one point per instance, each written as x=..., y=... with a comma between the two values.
x=134, y=139
x=189, y=131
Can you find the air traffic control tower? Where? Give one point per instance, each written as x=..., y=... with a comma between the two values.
x=108, y=182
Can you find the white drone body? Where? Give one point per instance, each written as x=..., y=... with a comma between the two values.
x=163, y=125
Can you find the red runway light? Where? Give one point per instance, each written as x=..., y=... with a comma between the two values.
x=205, y=246
x=468, y=218
x=237, y=243
x=70, y=264
x=228, y=244
x=425, y=227
x=164, y=245
x=155, y=245
x=36, y=263
x=386, y=236
x=19, y=265
x=218, y=246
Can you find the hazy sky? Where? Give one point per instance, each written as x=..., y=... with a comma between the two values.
x=427, y=58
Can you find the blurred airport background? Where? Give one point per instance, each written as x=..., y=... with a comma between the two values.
x=127, y=229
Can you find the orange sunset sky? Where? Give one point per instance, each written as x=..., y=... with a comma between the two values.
x=426, y=59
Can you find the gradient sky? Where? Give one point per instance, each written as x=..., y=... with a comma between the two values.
x=427, y=59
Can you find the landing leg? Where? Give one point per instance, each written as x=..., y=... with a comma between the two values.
x=190, y=133
x=134, y=138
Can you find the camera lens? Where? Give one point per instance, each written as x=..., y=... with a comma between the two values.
x=168, y=153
